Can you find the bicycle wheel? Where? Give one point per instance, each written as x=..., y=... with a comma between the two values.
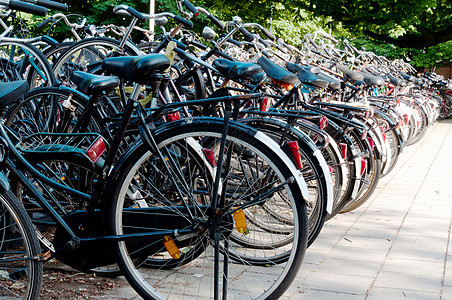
x=312, y=172
x=30, y=63
x=50, y=109
x=87, y=56
x=20, y=271
x=183, y=205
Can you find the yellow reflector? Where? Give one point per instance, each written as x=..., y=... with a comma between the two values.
x=171, y=247
x=240, y=220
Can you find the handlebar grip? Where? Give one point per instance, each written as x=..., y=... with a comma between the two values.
x=199, y=45
x=28, y=8
x=248, y=35
x=45, y=22
x=268, y=34
x=136, y=13
x=282, y=49
x=263, y=42
x=52, y=5
x=181, y=20
x=234, y=42
x=216, y=21
x=191, y=8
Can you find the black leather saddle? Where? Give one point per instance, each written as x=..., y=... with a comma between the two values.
x=407, y=77
x=349, y=74
x=372, y=80
x=394, y=80
x=11, y=92
x=276, y=72
x=92, y=84
x=234, y=69
x=305, y=75
x=136, y=68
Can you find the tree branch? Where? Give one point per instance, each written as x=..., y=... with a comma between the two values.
x=425, y=39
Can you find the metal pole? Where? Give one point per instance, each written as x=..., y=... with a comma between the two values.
x=151, y=11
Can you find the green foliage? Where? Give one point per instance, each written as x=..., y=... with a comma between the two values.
x=438, y=55
x=400, y=22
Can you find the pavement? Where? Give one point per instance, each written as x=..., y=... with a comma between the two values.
x=396, y=246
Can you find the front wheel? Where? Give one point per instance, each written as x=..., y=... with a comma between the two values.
x=171, y=194
x=20, y=271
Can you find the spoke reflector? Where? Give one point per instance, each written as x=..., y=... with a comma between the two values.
x=240, y=220
x=171, y=247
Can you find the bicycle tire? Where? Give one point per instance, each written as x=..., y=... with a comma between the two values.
x=36, y=69
x=276, y=283
x=21, y=270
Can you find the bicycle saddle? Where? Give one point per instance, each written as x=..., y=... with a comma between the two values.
x=407, y=77
x=394, y=80
x=92, y=84
x=276, y=72
x=306, y=76
x=349, y=74
x=372, y=80
x=233, y=69
x=136, y=68
x=12, y=91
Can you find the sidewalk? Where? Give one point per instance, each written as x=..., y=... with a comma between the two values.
x=397, y=245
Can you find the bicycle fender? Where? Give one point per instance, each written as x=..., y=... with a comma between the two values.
x=328, y=178
x=296, y=173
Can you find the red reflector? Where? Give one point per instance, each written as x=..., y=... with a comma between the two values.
x=384, y=136
x=323, y=122
x=406, y=118
x=331, y=170
x=96, y=149
x=210, y=156
x=371, y=142
x=173, y=117
x=343, y=150
x=366, y=115
x=196, y=14
x=295, y=151
x=364, y=135
x=264, y=103
x=363, y=165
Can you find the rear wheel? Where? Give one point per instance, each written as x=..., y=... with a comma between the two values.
x=255, y=171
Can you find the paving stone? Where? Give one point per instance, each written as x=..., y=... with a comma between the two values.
x=424, y=283
x=414, y=267
x=400, y=294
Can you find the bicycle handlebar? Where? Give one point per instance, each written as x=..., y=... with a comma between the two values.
x=65, y=19
x=49, y=4
x=128, y=11
x=45, y=22
x=25, y=7
x=211, y=17
x=190, y=7
x=248, y=35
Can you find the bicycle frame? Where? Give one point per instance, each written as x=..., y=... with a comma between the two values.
x=18, y=166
